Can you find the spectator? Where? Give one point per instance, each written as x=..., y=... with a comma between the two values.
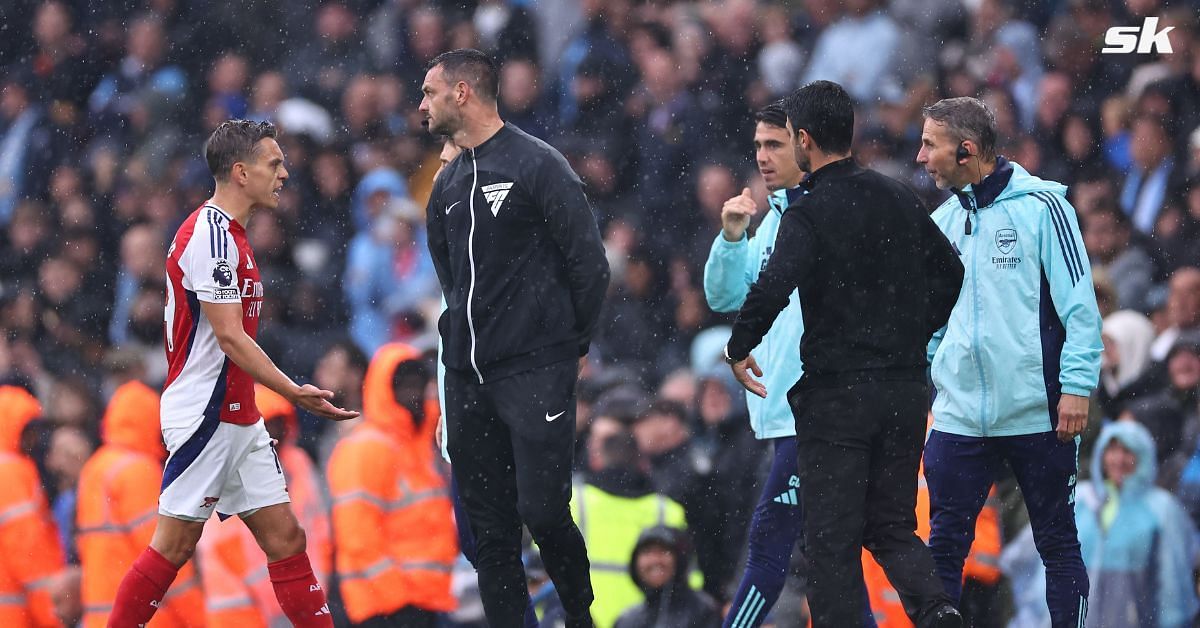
x=1138, y=543
x=227, y=89
x=69, y=449
x=341, y=368
x=635, y=323
x=612, y=507
x=388, y=278
x=1108, y=237
x=1127, y=336
x=658, y=567
x=322, y=67
x=142, y=79
x=1145, y=190
x=142, y=261
x=506, y=30
x=63, y=75
x=66, y=319
x=521, y=100
x=31, y=552
x=781, y=59
x=727, y=463
x=666, y=137
x=24, y=145
x=1166, y=413
x=664, y=439
x=1183, y=311
x=118, y=507
x=867, y=72
x=394, y=538
x=27, y=242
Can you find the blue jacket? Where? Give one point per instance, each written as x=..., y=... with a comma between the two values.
x=1140, y=568
x=1026, y=327
x=376, y=294
x=731, y=269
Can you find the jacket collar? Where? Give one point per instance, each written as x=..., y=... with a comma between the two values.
x=496, y=138
x=989, y=189
x=833, y=170
x=780, y=200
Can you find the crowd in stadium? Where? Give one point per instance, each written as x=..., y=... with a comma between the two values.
x=104, y=106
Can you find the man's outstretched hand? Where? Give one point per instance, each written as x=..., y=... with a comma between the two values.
x=316, y=401
x=742, y=371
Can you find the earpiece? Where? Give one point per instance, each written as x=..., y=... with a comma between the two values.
x=961, y=154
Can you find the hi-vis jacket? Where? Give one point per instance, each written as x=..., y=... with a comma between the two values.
x=118, y=508
x=1026, y=328
x=30, y=553
x=394, y=536
x=731, y=269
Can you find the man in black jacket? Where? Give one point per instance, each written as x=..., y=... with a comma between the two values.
x=523, y=272
x=877, y=278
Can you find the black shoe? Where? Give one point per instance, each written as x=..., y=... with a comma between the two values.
x=946, y=617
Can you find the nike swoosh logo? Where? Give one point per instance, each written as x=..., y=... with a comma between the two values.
x=551, y=418
x=451, y=207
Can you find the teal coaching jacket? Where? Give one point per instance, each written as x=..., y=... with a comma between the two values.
x=731, y=269
x=1026, y=327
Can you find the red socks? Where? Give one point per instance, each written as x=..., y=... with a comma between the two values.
x=141, y=590
x=300, y=596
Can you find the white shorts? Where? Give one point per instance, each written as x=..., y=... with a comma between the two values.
x=227, y=468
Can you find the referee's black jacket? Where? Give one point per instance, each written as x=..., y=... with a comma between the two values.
x=519, y=257
x=876, y=279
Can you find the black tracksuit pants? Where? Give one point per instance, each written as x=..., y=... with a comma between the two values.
x=511, y=444
x=859, y=449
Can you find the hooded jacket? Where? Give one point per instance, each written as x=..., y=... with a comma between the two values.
x=30, y=552
x=676, y=604
x=1025, y=328
x=731, y=269
x=612, y=508
x=1141, y=566
x=118, y=508
x=518, y=255
x=378, y=180
x=394, y=536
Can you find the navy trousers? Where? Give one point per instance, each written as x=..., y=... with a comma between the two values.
x=960, y=471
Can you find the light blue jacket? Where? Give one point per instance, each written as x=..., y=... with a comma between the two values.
x=731, y=269
x=1140, y=568
x=1026, y=326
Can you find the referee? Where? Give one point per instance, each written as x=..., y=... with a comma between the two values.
x=876, y=278
x=523, y=272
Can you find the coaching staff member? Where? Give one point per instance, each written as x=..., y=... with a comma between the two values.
x=1019, y=358
x=523, y=271
x=876, y=278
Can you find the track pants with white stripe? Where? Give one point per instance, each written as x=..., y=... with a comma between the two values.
x=777, y=526
x=960, y=471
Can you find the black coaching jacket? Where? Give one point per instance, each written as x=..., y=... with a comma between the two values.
x=876, y=276
x=519, y=257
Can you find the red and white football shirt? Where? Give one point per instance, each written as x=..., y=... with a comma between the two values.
x=209, y=260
